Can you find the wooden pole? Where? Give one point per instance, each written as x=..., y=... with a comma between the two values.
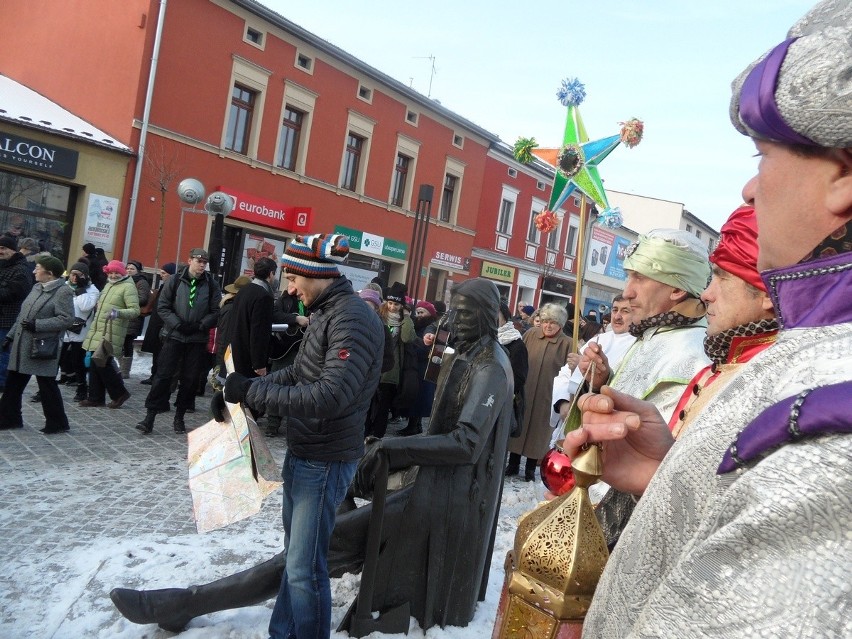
x=581, y=267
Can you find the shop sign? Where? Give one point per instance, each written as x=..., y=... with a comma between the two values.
x=498, y=272
x=32, y=154
x=259, y=210
x=449, y=260
x=558, y=285
x=375, y=244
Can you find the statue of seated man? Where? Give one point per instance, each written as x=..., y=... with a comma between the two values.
x=438, y=532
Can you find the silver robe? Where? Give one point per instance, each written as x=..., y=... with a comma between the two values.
x=762, y=552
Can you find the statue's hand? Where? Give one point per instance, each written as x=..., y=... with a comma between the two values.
x=365, y=475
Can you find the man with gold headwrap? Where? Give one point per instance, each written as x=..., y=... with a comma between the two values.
x=743, y=530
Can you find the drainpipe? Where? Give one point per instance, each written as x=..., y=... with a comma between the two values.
x=140, y=159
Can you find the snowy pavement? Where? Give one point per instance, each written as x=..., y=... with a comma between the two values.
x=105, y=506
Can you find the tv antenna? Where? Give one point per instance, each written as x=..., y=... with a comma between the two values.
x=431, y=58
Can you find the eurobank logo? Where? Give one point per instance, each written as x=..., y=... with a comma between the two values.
x=266, y=212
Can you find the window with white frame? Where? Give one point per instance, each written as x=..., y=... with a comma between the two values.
x=402, y=180
x=241, y=131
x=533, y=234
x=451, y=191
x=291, y=149
x=553, y=239
x=571, y=238
x=353, y=169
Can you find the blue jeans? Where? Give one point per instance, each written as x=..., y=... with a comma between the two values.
x=312, y=492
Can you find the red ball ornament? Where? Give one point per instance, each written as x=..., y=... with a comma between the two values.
x=556, y=472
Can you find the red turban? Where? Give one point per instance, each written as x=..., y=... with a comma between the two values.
x=737, y=250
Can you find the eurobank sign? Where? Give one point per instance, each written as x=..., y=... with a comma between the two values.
x=375, y=244
x=259, y=210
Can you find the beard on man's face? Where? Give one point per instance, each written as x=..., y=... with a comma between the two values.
x=423, y=322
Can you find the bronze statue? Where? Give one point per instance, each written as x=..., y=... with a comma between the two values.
x=438, y=532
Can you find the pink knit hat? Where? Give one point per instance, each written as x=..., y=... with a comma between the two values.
x=115, y=266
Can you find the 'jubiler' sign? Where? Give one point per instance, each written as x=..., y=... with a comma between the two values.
x=36, y=155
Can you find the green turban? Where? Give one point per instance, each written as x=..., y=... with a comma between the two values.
x=673, y=257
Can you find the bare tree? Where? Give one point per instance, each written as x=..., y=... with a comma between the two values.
x=162, y=167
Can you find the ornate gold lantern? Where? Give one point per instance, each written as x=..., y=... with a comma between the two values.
x=557, y=560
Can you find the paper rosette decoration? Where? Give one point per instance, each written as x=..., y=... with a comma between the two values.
x=523, y=150
x=546, y=221
x=611, y=218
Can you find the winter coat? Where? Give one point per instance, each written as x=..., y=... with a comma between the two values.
x=545, y=356
x=251, y=327
x=97, y=261
x=120, y=295
x=173, y=307
x=84, y=307
x=151, y=341
x=223, y=327
x=51, y=307
x=402, y=335
x=16, y=281
x=143, y=290
x=520, y=369
x=422, y=405
x=325, y=394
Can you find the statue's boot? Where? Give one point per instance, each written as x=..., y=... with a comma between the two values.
x=173, y=608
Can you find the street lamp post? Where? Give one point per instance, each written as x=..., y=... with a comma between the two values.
x=418, y=238
x=218, y=204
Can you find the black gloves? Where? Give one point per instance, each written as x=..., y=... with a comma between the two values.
x=368, y=467
x=188, y=328
x=82, y=285
x=28, y=325
x=236, y=387
x=7, y=344
x=218, y=408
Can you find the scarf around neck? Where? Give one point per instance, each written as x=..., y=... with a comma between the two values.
x=718, y=346
x=684, y=313
x=508, y=333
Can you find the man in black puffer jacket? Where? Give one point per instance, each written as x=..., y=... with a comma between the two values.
x=323, y=398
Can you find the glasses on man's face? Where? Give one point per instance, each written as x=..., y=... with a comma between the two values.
x=544, y=321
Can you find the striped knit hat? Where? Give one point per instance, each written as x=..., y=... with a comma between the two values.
x=315, y=255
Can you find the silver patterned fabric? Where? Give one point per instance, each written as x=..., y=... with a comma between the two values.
x=661, y=363
x=762, y=552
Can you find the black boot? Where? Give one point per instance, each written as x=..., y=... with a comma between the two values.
x=147, y=424
x=178, y=423
x=529, y=472
x=82, y=392
x=514, y=465
x=173, y=608
x=414, y=428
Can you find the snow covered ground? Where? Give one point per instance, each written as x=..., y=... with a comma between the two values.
x=57, y=586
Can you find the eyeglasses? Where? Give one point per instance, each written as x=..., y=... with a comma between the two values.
x=549, y=321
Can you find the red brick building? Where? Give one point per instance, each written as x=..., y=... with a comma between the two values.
x=302, y=135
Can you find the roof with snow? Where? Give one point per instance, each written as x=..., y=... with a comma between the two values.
x=21, y=105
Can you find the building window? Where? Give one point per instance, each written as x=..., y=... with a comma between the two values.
x=571, y=242
x=448, y=197
x=254, y=36
x=239, y=119
x=533, y=234
x=553, y=239
x=288, y=138
x=513, y=172
x=458, y=140
x=539, y=185
x=411, y=117
x=304, y=61
x=352, y=161
x=689, y=228
x=365, y=93
x=698, y=233
x=507, y=213
x=400, y=178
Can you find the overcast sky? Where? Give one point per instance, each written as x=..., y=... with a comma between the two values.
x=499, y=64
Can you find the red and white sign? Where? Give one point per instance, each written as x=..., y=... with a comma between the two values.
x=259, y=210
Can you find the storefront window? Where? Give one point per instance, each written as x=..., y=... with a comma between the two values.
x=35, y=208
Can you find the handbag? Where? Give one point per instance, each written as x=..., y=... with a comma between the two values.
x=77, y=325
x=151, y=305
x=45, y=347
x=104, y=350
